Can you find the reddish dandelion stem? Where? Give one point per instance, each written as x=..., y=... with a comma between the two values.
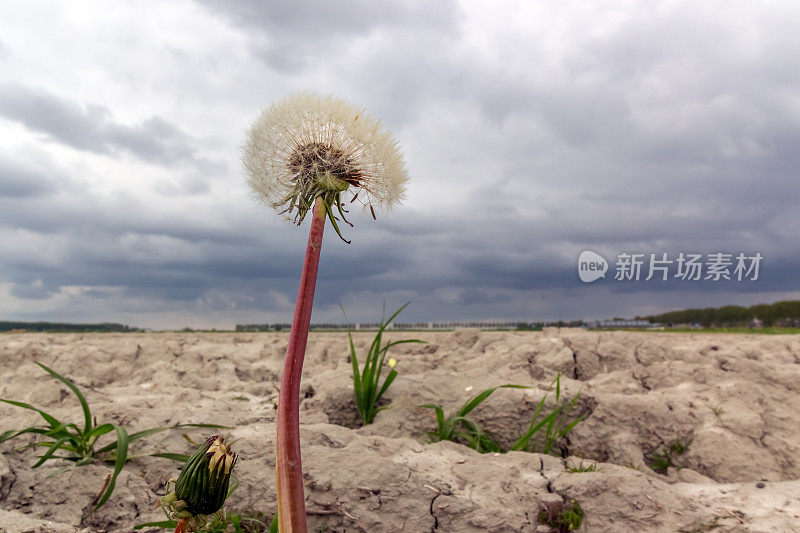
x=183, y=526
x=288, y=468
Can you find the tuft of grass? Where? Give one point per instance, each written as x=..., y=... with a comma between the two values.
x=236, y=522
x=547, y=429
x=66, y=441
x=661, y=461
x=592, y=467
x=366, y=383
x=458, y=426
x=556, y=424
x=561, y=516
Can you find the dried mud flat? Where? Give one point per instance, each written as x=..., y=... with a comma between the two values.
x=731, y=400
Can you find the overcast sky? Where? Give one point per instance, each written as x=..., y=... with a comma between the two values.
x=532, y=131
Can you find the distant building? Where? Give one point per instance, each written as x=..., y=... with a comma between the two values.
x=432, y=326
x=621, y=324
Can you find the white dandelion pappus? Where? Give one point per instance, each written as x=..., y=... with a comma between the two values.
x=308, y=146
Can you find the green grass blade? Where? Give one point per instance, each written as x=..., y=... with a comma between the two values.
x=569, y=427
x=237, y=528
x=356, y=373
x=386, y=383
x=475, y=401
x=145, y=432
x=522, y=443
x=49, y=453
x=358, y=391
x=87, y=414
x=8, y=435
x=273, y=527
x=439, y=415
x=396, y=313
x=122, y=458
x=72, y=448
x=374, y=351
x=369, y=378
x=47, y=417
x=100, y=430
x=60, y=429
x=166, y=524
x=549, y=434
x=405, y=341
x=482, y=396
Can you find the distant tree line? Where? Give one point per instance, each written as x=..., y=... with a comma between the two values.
x=61, y=327
x=785, y=313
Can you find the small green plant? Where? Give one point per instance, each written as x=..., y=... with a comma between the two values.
x=661, y=461
x=458, y=426
x=366, y=383
x=235, y=522
x=561, y=516
x=556, y=424
x=579, y=469
x=716, y=409
x=69, y=442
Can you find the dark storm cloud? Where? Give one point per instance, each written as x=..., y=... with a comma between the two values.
x=290, y=35
x=91, y=127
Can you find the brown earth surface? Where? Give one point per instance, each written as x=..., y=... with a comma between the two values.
x=729, y=402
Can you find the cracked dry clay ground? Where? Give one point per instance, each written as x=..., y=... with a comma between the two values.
x=731, y=401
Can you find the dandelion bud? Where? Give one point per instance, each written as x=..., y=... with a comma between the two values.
x=203, y=482
x=392, y=362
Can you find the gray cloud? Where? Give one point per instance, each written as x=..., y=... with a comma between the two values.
x=91, y=127
x=23, y=181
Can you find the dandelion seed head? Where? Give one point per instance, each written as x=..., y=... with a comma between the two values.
x=309, y=145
